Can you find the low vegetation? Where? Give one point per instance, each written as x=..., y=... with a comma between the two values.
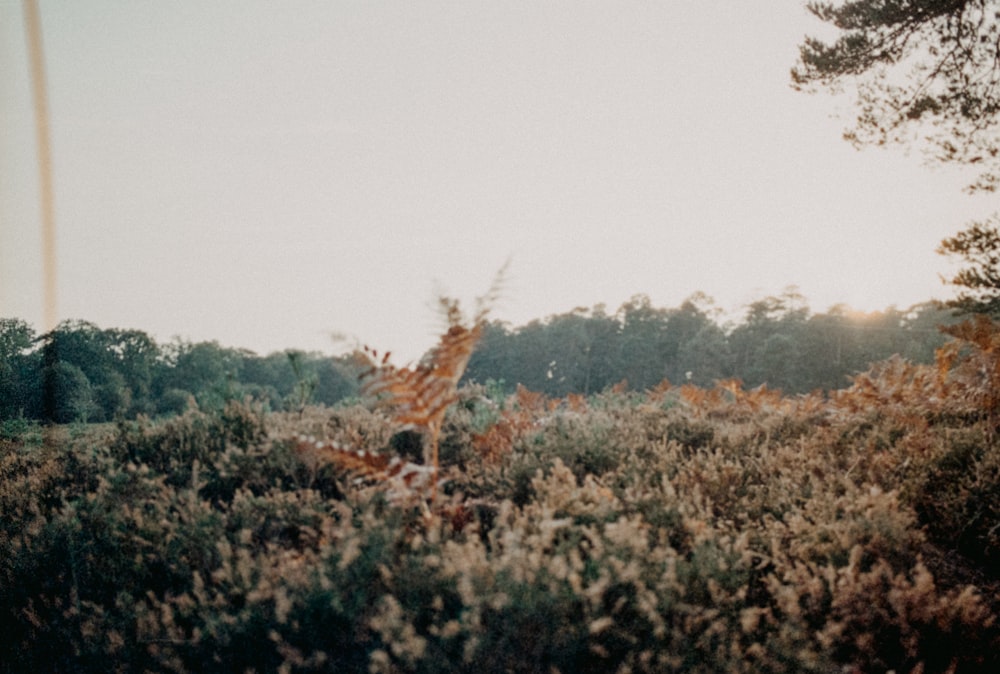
x=679, y=529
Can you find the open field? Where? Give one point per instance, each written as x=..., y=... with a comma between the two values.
x=681, y=529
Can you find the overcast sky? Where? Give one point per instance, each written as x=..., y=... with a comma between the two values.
x=267, y=173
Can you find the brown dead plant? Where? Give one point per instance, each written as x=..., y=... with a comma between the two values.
x=520, y=416
x=972, y=364
x=400, y=479
x=419, y=396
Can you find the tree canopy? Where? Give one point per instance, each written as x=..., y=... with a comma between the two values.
x=81, y=372
x=927, y=73
x=978, y=245
x=778, y=342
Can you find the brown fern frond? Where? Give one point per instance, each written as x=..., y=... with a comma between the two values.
x=419, y=396
x=734, y=386
x=620, y=387
x=693, y=395
x=763, y=397
x=498, y=440
x=973, y=368
x=402, y=480
x=809, y=404
x=896, y=388
x=519, y=418
x=659, y=392
x=945, y=358
x=356, y=462
x=576, y=402
x=527, y=399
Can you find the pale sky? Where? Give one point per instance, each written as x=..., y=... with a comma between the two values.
x=267, y=173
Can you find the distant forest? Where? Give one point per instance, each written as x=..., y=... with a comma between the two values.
x=79, y=372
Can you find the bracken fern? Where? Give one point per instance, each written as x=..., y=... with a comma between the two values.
x=418, y=396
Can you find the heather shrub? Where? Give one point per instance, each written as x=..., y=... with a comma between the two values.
x=956, y=493
x=680, y=530
x=170, y=447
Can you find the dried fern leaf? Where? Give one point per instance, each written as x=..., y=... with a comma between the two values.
x=419, y=396
x=356, y=462
x=403, y=481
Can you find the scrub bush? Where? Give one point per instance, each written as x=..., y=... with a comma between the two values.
x=684, y=530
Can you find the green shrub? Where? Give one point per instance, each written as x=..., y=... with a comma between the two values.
x=602, y=535
x=21, y=430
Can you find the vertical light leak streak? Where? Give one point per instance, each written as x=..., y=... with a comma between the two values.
x=33, y=27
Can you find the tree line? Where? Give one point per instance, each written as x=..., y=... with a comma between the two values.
x=80, y=372
x=778, y=342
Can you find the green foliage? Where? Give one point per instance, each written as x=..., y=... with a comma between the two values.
x=305, y=384
x=68, y=394
x=779, y=342
x=21, y=430
x=175, y=401
x=924, y=70
x=80, y=372
x=978, y=245
x=19, y=389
